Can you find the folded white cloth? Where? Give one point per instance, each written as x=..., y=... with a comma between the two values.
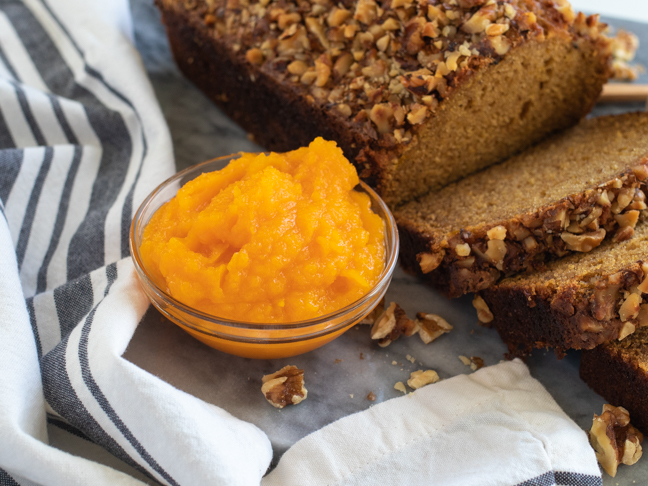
x=82, y=141
x=498, y=426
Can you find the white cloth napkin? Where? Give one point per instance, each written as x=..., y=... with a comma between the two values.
x=497, y=426
x=82, y=142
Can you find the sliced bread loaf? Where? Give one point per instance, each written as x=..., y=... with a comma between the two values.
x=417, y=93
x=577, y=302
x=618, y=370
x=564, y=195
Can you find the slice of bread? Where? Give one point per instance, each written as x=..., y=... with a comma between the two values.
x=618, y=370
x=577, y=302
x=417, y=94
x=562, y=196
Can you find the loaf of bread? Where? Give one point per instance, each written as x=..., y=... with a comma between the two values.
x=618, y=370
x=417, y=93
x=577, y=302
x=564, y=195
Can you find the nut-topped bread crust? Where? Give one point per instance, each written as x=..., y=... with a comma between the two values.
x=618, y=370
x=470, y=234
x=578, y=302
x=371, y=74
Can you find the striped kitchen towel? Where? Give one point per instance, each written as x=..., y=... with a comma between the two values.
x=82, y=142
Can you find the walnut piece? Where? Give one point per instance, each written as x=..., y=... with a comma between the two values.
x=475, y=362
x=496, y=233
x=483, y=312
x=630, y=307
x=585, y=242
x=429, y=261
x=614, y=439
x=391, y=324
x=400, y=387
x=421, y=378
x=284, y=387
x=431, y=326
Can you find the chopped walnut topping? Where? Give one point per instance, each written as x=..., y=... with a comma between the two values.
x=585, y=242
x=623, y=234
x=391, y=324
x=629, y=218
x=448, y=39
x=400, y=387
x=496, y=29
x=254, y=56
x=483, y=312
x=496, y=233
x=565, y=9
x=429, y=261
x=624, y=46
x=380, y=115
x=627, y=329
x=643, y=286
x=614, y=439
x=421, y=378
x=431, y=326
x=462, y=249
x=496, y=252
x=284, y=387
x=630, y=307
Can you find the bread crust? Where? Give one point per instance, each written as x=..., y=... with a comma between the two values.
x=282, y=113
x=619, y=378
x=273, y=113
x=576, y=315
x=531, y=238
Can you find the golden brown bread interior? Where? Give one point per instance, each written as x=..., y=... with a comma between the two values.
x=417, y=93
x=497, y=113
x=577, y=302
x=565, y=194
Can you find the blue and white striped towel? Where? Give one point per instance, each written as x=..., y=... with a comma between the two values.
x=82, y=142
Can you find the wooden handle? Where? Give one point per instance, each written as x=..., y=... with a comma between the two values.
x=624, y=93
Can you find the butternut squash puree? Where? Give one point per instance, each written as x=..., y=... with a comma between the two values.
x=270, y=238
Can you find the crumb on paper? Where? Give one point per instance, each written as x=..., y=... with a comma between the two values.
x=475, y=362
x=614, y=440
x=400, y=387
x=351, y=395
x=421, y=378
x=410, y=359
x=337, y=361
x=394, y=363
x=284, y=387
x=361, y=355
x=371, y=397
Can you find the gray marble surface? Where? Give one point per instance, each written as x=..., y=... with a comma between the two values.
x=337, y=378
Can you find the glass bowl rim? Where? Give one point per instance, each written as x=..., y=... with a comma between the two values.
x=391, y=235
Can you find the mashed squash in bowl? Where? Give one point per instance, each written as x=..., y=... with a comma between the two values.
x=269, y=239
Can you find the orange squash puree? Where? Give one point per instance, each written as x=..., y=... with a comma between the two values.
x=269, y=238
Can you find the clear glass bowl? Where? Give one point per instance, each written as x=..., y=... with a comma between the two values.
x=247, y=339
